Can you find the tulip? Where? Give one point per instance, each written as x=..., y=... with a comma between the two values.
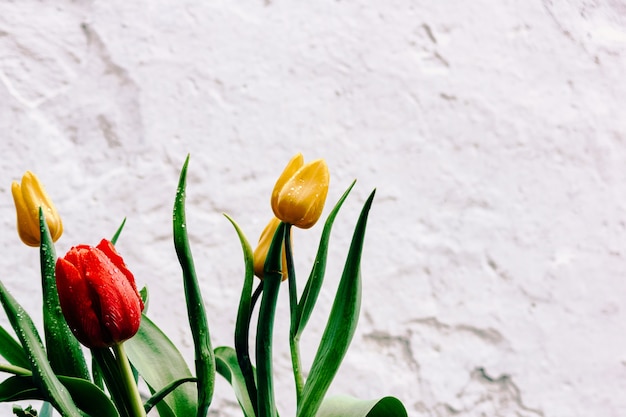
x=260, y=253
x=300, y=192
x=98, y=295
x=29, y=196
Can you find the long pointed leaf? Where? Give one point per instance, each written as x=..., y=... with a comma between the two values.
x=18, y=388
x=228, y=366
x=64, y=352
x=272, y=278
x=43, y=375
x=344, y=406
x=88, y=397
x=159, y=363
x=165, y=391
x=118, y=232
x=105, y=361
x=316, y=277
x=244, y=314
x=96, y=374
x=12, y=351
x=341, y=323
x=205, y=361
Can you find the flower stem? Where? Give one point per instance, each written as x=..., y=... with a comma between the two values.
x=294, y=346
x=128, y=380
x=294, y=339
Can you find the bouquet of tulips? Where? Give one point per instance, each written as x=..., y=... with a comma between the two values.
x=90, y=298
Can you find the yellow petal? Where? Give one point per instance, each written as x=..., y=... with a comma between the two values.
x=292, y=166
x=302, y=198
x=263, y=247
x=25, y=226
x=29, y=196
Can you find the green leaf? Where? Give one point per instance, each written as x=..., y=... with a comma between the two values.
x=96, y=373
x=244, y=314
x=118, y=232
x=46, y=410
x=12, y=351
x=344, y=406
x=64, y=351
x=316, y=277
x=88, y=397
x=107, y=366
x=341, y=323
x=43, y=375
x=18, y=388
x=145, y=296
x=204, y=359
x=164, y=392
x=228, y=366
x=159, y=363
x=272, y=278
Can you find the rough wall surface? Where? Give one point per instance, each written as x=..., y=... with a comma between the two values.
x=494, y=132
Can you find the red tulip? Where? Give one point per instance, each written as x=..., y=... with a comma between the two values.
x=98, y=295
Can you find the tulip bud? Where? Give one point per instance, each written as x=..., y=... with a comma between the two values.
x=260, y=253
x=300, y=192
x=28, y=197
x=98, y=295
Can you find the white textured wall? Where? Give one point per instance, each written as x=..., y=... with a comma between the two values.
x=494, y=131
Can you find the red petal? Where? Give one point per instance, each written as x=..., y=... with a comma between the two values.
x=109, y=250
x=77, y=306
x=120, y=304
x=98, y=295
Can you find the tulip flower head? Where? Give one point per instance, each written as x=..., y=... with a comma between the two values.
x=300, y=192
x=28, y=197
x=260, y=253
x=98, y=295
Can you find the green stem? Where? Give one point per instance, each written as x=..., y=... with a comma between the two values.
x=16, y=370
x=296, y=364
x=291, y=276
x=294, y=339
x=255, y=296
x=128, y=381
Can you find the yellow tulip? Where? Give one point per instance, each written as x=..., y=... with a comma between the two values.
x=300, y=192
x=260, y=253
x=28, y=197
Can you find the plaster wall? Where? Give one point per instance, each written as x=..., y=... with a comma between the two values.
x=493, y=131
